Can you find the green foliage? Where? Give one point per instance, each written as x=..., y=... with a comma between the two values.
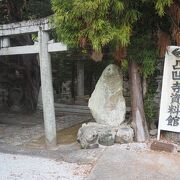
x=99, y=23
x=37, y=9
x=125, y=65
x=148, y=63
x=96, y=22
x=143, y=50
x=150, y=108
x=3, y=12
x=16, y=10
x=161, y=4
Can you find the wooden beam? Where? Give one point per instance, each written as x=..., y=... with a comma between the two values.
x=19, y=50
x=31, y=49
x=26, y=27
x=55, y=47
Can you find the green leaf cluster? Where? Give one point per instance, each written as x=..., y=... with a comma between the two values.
x=37, y=8
x=150, y=107
x=143, y=50
x=161, y=5
x=23, y=10
x=97, y=22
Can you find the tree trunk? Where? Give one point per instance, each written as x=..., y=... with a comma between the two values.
x=138, y=116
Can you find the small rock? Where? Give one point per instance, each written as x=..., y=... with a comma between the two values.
x=153, y=132
x=87, y=137
x=106, y=138
x=90, y=135
x=162, y=146
x=178, y=149
x=124, y=135
x=153, y=125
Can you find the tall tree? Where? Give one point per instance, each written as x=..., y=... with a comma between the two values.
x=142, y=58
x=96, y=24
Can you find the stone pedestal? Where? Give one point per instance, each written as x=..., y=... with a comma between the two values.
x=92, y=134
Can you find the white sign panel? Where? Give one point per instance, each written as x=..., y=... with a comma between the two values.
x=169, y=118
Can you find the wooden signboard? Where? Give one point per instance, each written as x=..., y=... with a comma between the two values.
x=169, y=118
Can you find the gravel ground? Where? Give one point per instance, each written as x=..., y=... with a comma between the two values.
x=18, y=167
x=19, y=129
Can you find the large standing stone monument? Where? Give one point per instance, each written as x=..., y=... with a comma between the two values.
x=108, y=108
x=107, y=103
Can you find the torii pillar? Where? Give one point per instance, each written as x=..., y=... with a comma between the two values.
x=47, y=90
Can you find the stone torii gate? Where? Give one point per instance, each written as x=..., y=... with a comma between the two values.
x=43, y=47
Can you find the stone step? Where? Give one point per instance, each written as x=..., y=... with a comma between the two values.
x=58, y=105
x=72, y=110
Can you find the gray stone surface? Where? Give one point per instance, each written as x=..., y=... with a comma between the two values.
x=124, y=135
x=119, y=164
x=106, y=138
x=87, y=137
x=90, y=135
x=47, y=90
x=107, y=103
x=173, y=136
x=153, y=132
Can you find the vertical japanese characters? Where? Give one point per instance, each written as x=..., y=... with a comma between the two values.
x=174, y=108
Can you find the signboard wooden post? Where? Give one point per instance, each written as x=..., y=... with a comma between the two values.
x=169, y=118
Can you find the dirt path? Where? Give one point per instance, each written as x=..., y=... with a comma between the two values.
x=19, y=167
